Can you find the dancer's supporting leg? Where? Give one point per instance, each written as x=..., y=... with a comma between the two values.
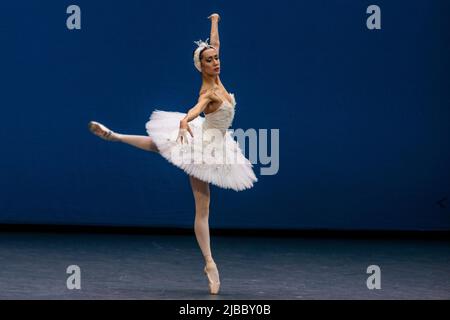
x=201, y=193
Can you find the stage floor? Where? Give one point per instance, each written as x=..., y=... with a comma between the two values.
x=124, y=266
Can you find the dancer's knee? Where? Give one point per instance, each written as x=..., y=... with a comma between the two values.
x=201, y=212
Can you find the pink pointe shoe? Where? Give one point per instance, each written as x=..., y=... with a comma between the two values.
x=211, y=270
x=101, y=131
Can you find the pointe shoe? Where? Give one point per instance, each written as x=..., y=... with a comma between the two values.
x=213, y=285
x=101, y=131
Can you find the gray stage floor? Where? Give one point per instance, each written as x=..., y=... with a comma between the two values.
x=120, y=266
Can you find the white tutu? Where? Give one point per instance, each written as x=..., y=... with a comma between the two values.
x=212, y=155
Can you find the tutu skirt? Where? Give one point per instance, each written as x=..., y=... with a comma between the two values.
x=210, y=155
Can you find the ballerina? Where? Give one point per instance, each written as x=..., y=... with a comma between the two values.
x=201, y=146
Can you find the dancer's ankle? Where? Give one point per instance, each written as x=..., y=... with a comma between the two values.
x=209, y=259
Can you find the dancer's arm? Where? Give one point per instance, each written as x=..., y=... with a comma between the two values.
x=214, y=37
x=193, y=113
x=196, y=110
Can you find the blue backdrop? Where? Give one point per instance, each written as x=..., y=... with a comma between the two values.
x=363, y=114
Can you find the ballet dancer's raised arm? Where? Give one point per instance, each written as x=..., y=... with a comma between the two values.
x=214, y=37
x=205, y=99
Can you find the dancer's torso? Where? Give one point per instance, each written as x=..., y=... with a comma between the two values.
x=219, y=113
x=220, y=96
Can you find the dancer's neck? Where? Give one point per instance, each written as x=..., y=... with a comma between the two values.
x=210, y=81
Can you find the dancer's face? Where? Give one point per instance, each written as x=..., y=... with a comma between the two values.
x=210, y=62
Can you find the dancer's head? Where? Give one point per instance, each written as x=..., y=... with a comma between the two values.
x=206, y=58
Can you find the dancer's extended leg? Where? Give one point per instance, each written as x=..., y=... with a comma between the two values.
x=142, y=142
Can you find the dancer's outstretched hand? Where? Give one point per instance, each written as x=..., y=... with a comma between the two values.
x=182, y=133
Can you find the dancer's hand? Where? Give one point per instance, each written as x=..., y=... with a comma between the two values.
x=182, y=134
x=214, y=16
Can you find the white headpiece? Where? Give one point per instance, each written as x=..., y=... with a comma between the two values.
x=201, y=44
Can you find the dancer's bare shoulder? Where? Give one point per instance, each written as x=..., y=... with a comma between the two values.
x=210, y=94
x=212, y=99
